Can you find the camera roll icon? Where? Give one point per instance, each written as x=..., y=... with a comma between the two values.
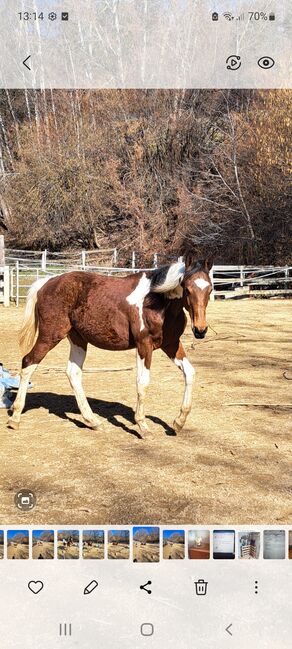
x=201, y=587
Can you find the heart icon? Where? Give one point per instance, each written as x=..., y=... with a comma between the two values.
x=35, y=586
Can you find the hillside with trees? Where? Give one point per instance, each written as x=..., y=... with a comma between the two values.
x=151, y=171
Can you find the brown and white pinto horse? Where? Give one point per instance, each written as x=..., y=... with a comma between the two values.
x=143, y=310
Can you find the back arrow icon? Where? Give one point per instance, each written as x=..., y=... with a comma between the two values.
x=25, y=62
x=228, y=629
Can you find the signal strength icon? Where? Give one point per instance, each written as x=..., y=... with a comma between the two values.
x=228, y=16
x=241, y=17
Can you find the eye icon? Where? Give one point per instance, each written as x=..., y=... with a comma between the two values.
x=266, y=62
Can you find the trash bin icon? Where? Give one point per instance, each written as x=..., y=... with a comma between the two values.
x=201, y=587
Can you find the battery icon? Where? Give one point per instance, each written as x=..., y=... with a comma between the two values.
x=272, y=16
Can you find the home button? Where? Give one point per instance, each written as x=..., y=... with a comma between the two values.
x=147, y=629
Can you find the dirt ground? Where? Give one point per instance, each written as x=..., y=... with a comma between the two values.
x=118, y=551
x=17, y=551
x=148, y=553
x=231, y=463
x=93, y=552
x=43, y=551
x=173, y=551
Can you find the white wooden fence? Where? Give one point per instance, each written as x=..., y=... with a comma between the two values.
x=228, y=281
x=4, y=276
x=4, y=286
x=20, y=268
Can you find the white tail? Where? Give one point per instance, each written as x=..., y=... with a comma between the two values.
x=29, y=327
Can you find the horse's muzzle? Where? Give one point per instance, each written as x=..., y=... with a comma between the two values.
x=199, y=333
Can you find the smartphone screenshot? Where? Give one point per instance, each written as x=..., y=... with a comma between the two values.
x=145, y=324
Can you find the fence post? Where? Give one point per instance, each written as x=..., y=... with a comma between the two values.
x=133, y=259
x=2, y=251
x=211, y=275
x=44, y=260
x=155, y=259
x=11, y=283
x=6, y=286
x=83, y=259
x=17, y=283
x=241, y=276
x=115, y=257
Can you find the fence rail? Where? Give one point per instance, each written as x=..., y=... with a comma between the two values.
x=228, y=281
x=20, y=268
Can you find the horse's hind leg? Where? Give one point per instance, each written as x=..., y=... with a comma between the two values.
x=29, y=364
x=77, y=356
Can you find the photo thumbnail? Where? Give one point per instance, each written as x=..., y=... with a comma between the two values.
x=274, y=544
x=68, y=544
x=146, y=544
x=43, y=544
x=224, y=544
x=93, y=544
x=173, y=544
x=1, y=544
x=249, y=545
x=17, y=544
x=199, y=544
x=118, y=544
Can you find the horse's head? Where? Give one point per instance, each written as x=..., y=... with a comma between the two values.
x=197, y=287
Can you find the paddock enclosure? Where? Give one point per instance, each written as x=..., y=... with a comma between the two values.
x=232, y=463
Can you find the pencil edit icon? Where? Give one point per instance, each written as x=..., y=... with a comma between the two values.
x=90, y=587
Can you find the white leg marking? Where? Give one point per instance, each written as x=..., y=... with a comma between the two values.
x=136, y=298
x=201, y=283
x=19, y=402
x=189, y=373
x=143, y=379
x=74, y=373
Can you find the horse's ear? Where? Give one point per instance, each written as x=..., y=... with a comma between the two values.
x=189, y=259
x=208, y=263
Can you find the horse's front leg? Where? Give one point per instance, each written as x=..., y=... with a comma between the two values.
x=182, y=362
x=143, y=360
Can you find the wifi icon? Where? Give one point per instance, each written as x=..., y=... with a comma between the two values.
x=228, y=16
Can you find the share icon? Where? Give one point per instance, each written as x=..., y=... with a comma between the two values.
x=144, y=587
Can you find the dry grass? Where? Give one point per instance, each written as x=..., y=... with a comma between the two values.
x=231, y=464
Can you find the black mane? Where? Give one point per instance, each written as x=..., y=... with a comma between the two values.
x=158, y=275
x=198, y=266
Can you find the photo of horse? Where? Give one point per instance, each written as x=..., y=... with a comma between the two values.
x=146, y=544
x=93, y=544
x=43, y=545
x=145, y=298
x=68, y=544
